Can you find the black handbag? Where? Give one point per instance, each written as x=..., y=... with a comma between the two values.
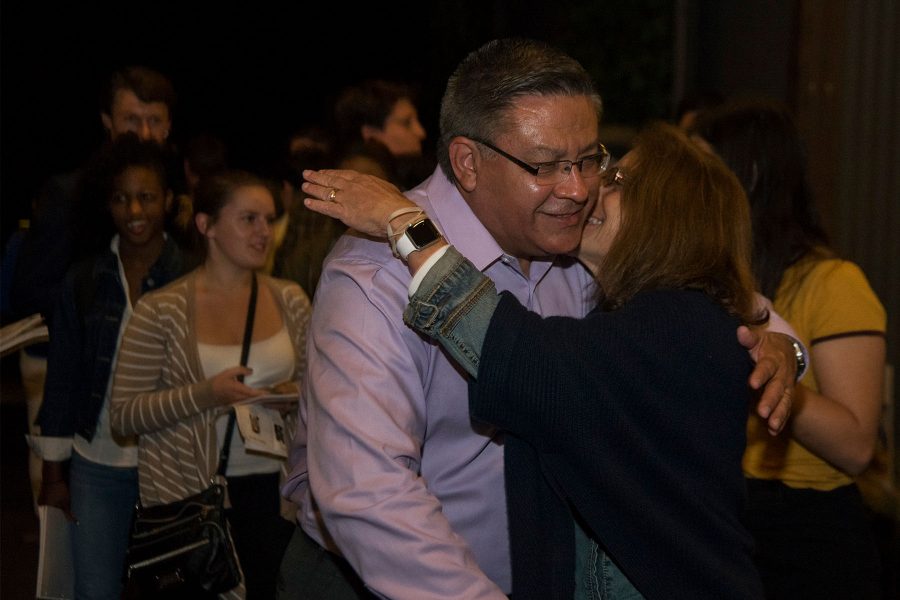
x=184, y=548
x=183, y=545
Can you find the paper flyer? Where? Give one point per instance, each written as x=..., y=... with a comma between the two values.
x=262, y=429
x=56, y=576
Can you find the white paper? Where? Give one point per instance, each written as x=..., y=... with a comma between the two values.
x=56, y=575
x=24, y=332
x=262, y=429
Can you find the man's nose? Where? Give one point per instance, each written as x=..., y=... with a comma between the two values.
x=573, y=186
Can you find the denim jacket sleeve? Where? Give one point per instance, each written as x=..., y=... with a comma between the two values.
x=454, y=305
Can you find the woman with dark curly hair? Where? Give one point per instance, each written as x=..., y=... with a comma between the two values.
x=124, y=254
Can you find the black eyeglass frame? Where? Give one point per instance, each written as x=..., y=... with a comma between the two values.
x=534, y=170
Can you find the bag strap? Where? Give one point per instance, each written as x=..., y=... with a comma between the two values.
x=245, y=352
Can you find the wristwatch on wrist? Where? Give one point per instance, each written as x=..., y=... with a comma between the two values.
x=418, y=234
x=801, y=358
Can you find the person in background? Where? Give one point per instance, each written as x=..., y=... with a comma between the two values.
x=302, y=238
x=88, y=472
x=179, y=373
x=378, y=128
x=694, y=105
x=401, y=494
x=204, y=154
x=805, y=511
x=370, y=158
x=136, y=100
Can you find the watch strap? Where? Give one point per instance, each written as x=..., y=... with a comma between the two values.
x=394, y=236
x=800, y=355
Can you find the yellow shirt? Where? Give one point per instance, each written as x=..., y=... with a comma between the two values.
x=822, y=299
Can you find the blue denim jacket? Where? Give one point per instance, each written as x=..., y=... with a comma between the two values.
x=83, y=337
x=453, y=289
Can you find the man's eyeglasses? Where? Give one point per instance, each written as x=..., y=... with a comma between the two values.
x=551, y=173
x=612, y=176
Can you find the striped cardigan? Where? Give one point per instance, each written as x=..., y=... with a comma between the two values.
x=161, y=393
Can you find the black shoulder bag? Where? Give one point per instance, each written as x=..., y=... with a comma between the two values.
x=185, y=546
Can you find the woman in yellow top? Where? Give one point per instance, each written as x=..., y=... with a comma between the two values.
x=805, y=511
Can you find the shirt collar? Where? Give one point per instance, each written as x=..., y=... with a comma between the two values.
x=454, y=218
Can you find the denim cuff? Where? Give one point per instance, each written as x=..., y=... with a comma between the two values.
x=454, y=305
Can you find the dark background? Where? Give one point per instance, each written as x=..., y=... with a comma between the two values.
x=254, y=72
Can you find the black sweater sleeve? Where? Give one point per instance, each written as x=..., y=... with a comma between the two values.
x=635, y=420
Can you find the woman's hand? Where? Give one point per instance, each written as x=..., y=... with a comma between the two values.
x=226, y=388
x=362, y=202
x=55, y=488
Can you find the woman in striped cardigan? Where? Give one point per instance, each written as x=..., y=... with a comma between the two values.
x=179, y=372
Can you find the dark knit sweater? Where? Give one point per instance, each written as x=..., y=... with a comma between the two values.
x=633, y=420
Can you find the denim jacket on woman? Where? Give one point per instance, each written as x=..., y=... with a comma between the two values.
x=451, y=289
x=83, y=339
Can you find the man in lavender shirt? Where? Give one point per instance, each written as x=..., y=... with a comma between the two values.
x=409, y=499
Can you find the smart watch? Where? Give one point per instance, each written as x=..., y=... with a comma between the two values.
x=417, y=235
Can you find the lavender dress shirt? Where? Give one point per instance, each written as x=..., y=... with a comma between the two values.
x=407, y=487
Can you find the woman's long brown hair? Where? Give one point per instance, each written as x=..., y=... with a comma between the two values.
x=685, y=225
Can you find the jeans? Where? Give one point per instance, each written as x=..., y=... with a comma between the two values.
x=102, y=500
x=596, y=576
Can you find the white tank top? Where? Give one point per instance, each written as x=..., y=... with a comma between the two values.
x=272, y=361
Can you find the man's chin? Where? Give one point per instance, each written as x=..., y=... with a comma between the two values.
x=561, y=249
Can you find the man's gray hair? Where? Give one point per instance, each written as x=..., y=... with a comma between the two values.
x=490, y=80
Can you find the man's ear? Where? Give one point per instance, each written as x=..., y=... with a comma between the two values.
x=107, y=121
x=465, y=160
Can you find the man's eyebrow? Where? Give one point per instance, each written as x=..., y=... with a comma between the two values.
x=558, y=155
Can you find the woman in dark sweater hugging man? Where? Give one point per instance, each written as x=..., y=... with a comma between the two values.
x=625, y=429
